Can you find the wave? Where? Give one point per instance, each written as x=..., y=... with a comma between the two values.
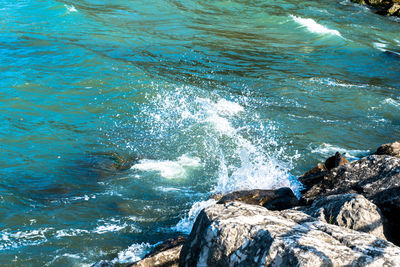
x=168, y=168
x=314, y=27
x=224, y=134
x=327, y=150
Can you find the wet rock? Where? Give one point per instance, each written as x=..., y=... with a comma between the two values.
x=103, y=263
x=390, y=149
x=376, y=177
x=238, y=234
x=278, y=199
x=382, y=7
x=352, y=211
x=314, y=175
x=335, y=161
x=164, y=255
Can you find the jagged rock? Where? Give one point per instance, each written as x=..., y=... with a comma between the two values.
x=238, y=234
x=376, y=177
x=335, y=161
x=352, y=211
x=390, y=149
x=279, y=199
x=103, y=263
x=164, y=255
x=314, y=175
x=382, y=7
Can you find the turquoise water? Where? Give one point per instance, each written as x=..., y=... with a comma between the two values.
x=121, y=118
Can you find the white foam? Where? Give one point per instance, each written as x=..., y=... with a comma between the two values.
x=70, y=232
x=70, y=8
x=331, y=82
x=133, y=253
x=392, y=102
x=314, y=27
x=327, y=150
x=13, y=240
x=185, y=224
x=226, y=107
x=167, y=168
x=380, y=46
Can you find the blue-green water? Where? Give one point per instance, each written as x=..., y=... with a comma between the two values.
x=120, y=118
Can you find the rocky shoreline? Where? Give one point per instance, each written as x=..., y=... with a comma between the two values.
x=382, y=7
x=348, y=215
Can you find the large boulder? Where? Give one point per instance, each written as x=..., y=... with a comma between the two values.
x=351, y=211
x=390, y=149
x=278, y=199
x=376, y=177
x=164, y=255
x=238, y=234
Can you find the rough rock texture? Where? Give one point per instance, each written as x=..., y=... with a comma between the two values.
x=238, y=234
x=352, y=211
x=383, y=7
x=335, y=161
x=164, y=255
x=390, y=149
x=314, y=175
x=103, y=263
x=279, y=199
x=375, y=177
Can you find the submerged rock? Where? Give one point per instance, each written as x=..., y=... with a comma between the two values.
x=352, y=211
x=390, y=149
x=164, y=255
x=279, y=199
x=238, y=234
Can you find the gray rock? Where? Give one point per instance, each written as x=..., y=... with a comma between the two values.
x=103, y=263
x=375, y=177
x=352, y=211
x=390, y=149
x=238, y=234
x=278, y=199
x=164, y=255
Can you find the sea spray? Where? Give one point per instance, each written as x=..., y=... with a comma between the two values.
x=241, y=161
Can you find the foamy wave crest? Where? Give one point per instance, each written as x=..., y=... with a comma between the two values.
x=167, y=168
x=332, y=82
x=133, y=253
x=70, y=8
x=392, y=102
x=314, y=27
x=327, y=150
x=13, y=240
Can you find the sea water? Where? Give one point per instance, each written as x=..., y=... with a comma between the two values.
x=119, y=119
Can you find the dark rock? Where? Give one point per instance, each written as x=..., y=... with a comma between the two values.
x=279, y=199
x=382, y=7
x=376, y=177
x=311, y=177
x=335, y=161
x=238, y=234
x=351, y=211
x=103, y=263
x=164, y=255
x=314, y=175
x=390, y=149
